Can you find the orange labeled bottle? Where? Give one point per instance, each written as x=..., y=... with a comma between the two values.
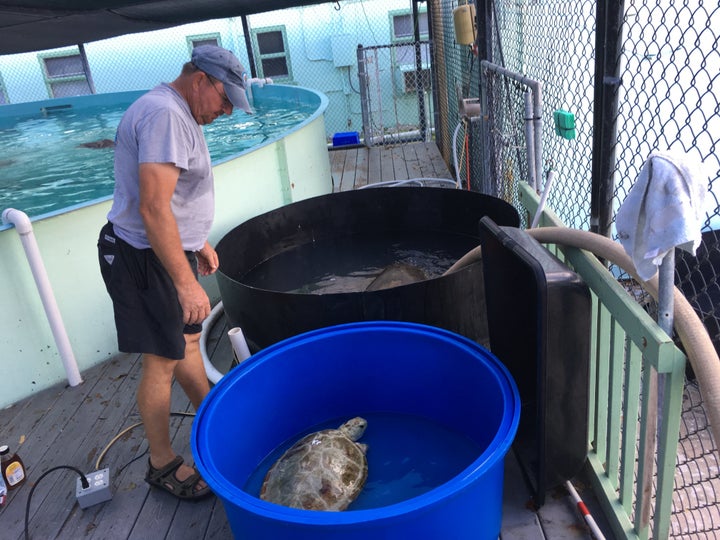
x=13, y=470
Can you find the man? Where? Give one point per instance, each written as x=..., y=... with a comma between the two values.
x=155, y=244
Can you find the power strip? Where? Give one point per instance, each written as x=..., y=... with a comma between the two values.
x=98, y=491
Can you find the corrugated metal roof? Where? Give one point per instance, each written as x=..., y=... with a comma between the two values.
x=32, y=25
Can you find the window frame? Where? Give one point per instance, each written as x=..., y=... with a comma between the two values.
x=50, y=80
x=402, y=13
x=407, y=72
x=260, y=57
x=191, y=39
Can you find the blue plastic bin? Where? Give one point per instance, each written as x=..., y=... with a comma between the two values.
x=343, y=371
x=346, y=138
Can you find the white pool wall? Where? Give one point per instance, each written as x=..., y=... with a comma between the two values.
x=283, y=170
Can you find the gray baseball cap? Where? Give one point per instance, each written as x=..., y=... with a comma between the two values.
x=226, y=68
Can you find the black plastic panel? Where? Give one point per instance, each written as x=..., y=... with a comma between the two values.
x=539, y=317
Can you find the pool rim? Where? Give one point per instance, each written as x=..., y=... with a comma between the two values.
x=322, y=106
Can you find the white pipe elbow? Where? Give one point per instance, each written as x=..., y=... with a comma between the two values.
x=19, y=219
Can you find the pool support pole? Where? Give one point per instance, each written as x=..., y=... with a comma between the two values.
x=24, y=228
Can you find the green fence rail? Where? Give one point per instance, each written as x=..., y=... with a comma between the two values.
x=627, y=346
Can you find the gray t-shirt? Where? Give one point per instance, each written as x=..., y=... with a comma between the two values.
x=159, y=128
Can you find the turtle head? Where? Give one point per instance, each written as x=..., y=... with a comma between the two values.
x=354, y=428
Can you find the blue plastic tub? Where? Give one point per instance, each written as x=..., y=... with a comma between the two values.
x=346, y=138
x=356, y=369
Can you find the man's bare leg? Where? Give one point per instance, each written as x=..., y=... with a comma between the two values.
x=153, y=398
x=190, y=373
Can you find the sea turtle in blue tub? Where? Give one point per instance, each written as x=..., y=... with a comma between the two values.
x=325, y=470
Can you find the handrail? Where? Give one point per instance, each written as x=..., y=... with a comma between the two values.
x=627, y=345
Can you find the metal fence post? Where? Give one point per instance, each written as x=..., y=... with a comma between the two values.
x=608, y=44
x=362, y=82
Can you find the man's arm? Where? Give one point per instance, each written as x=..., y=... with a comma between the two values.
x=157, y=184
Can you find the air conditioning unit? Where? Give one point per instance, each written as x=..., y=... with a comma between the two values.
x=407, y=78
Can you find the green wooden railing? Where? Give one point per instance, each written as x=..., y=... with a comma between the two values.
x=627, y=345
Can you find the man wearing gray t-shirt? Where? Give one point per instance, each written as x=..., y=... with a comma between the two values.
x=155, y=244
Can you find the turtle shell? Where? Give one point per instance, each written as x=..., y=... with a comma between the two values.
x=325, y=470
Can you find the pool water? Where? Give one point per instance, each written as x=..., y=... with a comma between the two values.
x=43, y=168
x=407, y=456
x=350, y=263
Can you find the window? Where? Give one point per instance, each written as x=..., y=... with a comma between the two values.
x=203, y=39
x=271, y=53
x=403, y=26
x=404, y=55
x=64, y=74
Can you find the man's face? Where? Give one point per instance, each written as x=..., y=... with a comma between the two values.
x=210, y=100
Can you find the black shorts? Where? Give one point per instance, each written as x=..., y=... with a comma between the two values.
x=148, y=315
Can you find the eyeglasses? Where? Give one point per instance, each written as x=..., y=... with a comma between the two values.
x=225, y=100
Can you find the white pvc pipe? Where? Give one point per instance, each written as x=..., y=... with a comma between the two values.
x=533, y=178
x=417, y=181
x=24, y=228
x=239, y=345
x=543, y=198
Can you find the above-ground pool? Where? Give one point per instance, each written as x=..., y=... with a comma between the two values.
x=286, y=167
x=58, y=153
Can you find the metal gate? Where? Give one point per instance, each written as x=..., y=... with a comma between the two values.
x=396, y=93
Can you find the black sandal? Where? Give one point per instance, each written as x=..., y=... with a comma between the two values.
x=164, y=478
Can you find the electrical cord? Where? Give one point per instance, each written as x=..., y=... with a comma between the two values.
x=123, y=432
x=83, y=481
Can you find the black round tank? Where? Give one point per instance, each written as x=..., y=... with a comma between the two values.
x=269, y=314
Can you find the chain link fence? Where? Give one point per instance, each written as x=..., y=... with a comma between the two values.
x=660, y=91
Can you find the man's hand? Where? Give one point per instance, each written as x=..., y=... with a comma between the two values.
x=207, y=260
x=194, y=302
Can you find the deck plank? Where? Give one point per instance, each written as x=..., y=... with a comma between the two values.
x=431, y=162
x=400, y=169
x=99, y=428
x=337, y=167
x=81, y=523
x=361, y=169
x=374, y=174
x=350, y=172
x=387, y=167
x=412, y=162
x=519, y=521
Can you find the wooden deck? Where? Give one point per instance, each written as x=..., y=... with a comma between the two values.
x=354, y=168
x=73, y=426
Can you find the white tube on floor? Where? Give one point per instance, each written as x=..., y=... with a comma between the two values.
x=24, y=228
